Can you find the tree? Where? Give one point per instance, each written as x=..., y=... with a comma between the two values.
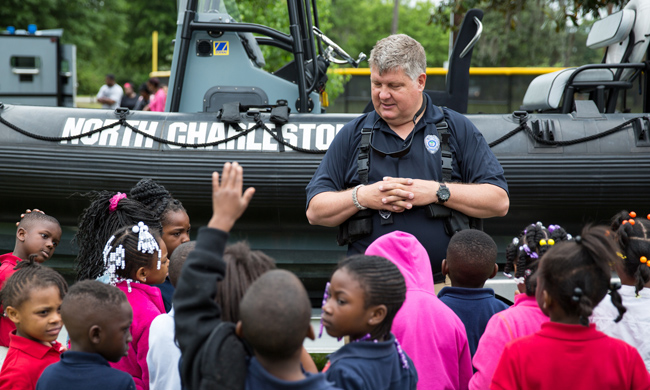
x=358, y=24
x=567, y=10
x=500, y=45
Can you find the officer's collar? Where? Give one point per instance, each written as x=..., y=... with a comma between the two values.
x=430, y=116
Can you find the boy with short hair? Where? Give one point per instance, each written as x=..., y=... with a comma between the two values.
x=98, y=319
x=214, y=356
x=38, y=234
x=164, y=354
x=275, y=319
x=471, y=260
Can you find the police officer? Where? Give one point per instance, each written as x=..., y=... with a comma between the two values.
x=404, y=161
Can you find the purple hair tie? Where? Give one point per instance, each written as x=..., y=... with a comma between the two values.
x=114, y=201
x=525, y=248
x=326, y=296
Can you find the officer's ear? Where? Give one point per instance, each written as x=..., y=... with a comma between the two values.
x=421, y=81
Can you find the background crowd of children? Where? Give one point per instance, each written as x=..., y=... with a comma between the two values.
x=237, y=322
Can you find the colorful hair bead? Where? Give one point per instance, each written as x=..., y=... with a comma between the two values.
x=632, y=222
x=632, y=214
x=402, y=355
x=644, y=259
x=624, y=222
x=648, y=216
x=542, y=242
x=551, y=241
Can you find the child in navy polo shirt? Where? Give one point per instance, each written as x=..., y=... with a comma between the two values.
x=275, y=319
x=471, y=260
x=97, y=317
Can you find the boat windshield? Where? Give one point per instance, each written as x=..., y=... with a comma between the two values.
x=229, y=7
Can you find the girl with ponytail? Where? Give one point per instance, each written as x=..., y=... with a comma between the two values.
x=568, y=352
x=633, y=236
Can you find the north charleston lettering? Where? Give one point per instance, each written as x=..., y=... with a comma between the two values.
x=304, y=135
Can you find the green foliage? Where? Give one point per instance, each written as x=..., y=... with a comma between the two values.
x=566, y=10
x=500, y=45
x=96, y=27
x=358, y=24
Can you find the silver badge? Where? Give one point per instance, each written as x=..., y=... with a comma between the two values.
x=432, y=143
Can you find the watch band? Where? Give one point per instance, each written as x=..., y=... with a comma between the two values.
x=354, y=197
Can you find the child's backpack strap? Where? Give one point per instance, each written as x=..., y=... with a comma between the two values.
x=224, y=359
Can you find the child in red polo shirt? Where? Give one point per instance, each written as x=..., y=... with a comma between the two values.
x=568, y=352
x=38, y=234
x=32, y=298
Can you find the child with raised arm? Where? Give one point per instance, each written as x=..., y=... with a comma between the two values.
x=471, y=260
x=212, y=353
x=136, y=259
x=633, y=236
x=97, y=317
x=568, y=352
x=362, y=298
x=428, y=330
x=32, y=299
x=38, y=234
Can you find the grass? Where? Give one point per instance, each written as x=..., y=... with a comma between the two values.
x=320, y=359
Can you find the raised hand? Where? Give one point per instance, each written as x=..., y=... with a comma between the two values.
x=228, y=201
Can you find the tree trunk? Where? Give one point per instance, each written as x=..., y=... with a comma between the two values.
x=393, y=28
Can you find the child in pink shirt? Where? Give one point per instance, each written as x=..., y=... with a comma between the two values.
x=135, y=260
x=429, y=331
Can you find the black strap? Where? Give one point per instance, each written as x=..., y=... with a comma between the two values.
x=445, y=150
x=363, y=162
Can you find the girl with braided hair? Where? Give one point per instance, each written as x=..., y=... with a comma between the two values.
x=567, y=352
x=524, y=317
x=173, y=218
x=32, y=299
x=633, y=236
x=108, y=212
x=171, y=213
x=361, y=301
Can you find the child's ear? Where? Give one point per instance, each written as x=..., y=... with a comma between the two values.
x=238, y=330
x=95, y=334
x=310, y=333
x=20, y=234
x=13, y=314
x=444, y=268
x=547, y=300
x=377, y=315
x=494, y=272
x=141, y=275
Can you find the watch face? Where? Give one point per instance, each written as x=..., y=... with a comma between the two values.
x=443, y=194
